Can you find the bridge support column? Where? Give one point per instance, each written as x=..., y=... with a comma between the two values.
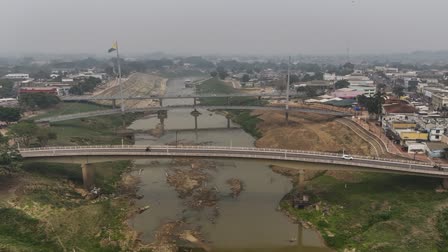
x=286, y=115
x=195, y=114
x=228, y=101
x=228, y=117
x=445, y=183
x=161, y=102
x=114, y=103
x=194, y=101
x=162, y=115
x=88, y=175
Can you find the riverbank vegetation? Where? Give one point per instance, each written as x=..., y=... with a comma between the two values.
x=49, y=210
x=375, y=212
x=245, y=118
x=92, y=130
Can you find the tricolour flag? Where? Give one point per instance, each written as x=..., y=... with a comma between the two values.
x=114, y=47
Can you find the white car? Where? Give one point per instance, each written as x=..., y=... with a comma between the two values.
x=347, y=157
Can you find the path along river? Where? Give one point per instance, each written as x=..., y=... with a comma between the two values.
x=249, y=222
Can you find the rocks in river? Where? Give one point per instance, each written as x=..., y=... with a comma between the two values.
x=236, y=186
x=142, y=209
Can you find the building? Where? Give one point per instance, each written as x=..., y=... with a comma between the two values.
x=436, y=150
x=17, y=76
x=33, y=90
x=439, y=101
x=9, y=102
x=347, y=93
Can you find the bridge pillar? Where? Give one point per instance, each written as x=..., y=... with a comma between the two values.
x=162, y=115
x=195, y=114
x=88, y=175
x=286, y=115
x=228, y=101
x=194, y=101
x=228, y=117
x=445, y=183
x=161, y=102
x=114, y=103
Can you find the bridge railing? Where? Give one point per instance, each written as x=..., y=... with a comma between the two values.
x=207, y=147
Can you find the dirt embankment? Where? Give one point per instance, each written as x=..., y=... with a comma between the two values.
x=311, y=132
x=138, y=84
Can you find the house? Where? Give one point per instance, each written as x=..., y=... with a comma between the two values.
x=346, y=93
x=398, y=107
x=435, y=150
x=439, y=101
x=17, y=76
x=32, y=90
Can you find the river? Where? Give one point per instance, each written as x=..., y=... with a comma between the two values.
x=249, y=222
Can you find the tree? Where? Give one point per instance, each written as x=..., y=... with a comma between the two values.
x=43, y=135
x=373, y=104
x=23, y=132
x=293, y=78
x=341, y=84
x=310, y=91
x=223, y=75
x=9, y=114
x=398, y=90
x=214, y=74
x=38, y=100
x=7, y=89
x=245, y=78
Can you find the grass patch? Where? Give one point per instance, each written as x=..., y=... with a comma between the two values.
x=67, y=108
x=243, y=117
x=95, y=130
x=20, y=232
x=380, y=213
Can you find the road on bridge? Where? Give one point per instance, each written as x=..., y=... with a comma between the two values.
x=388, y=165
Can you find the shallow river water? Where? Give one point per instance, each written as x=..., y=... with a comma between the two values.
x=250, y=222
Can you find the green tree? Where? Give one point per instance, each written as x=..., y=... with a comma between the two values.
x=372, y=104
x=245, y=78
x=38, y=100
x=214, y=74
x=293, y=78
x=43, y=135
x=9, y=114
x=398, y=90
x=310, y=91
x=7, y=88
x=23, y=132
x=341, y=84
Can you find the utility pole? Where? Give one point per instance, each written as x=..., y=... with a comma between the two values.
x=119, y=79
x=287, y=88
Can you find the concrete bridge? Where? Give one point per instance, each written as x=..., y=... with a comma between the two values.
x=191, y=107
x=168, y=97
x=287, y=158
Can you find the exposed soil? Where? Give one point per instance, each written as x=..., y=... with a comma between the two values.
x=138, y=84
x=310, y=132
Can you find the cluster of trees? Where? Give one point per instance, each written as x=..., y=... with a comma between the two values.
x=220, y=72
x=7, y=89
x=398, y=90
x=38, y=100
x=9, y=114
x=26, y=133
x=86, y=86
x=372, y=104
x=341, y=84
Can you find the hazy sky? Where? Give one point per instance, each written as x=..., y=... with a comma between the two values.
x=223, y=26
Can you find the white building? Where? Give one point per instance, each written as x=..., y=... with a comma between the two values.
x=17, y=76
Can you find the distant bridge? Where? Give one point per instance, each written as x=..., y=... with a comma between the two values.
x=166, y=97
x=165, y=108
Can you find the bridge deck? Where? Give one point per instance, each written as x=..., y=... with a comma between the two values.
x=391, y=165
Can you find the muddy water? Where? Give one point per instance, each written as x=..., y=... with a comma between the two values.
x=247, y=223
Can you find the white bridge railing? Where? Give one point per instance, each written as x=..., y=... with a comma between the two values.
x=132, y=148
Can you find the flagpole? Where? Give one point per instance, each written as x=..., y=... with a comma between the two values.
x=119, y=79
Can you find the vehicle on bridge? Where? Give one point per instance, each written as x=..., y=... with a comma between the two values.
x=347, y=157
